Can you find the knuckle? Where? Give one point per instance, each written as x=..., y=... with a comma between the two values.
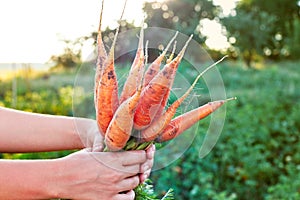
x=116, y=177
x=144, y=156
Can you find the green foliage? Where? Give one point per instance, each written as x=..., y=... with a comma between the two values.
x=293, y=41
x=256, y=157
x=258, y=154
x=267, y=28
x=170, y=14
x=251, y=31
x=145, y=191
x=285, y=12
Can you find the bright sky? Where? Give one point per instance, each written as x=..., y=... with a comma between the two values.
x=31, y=29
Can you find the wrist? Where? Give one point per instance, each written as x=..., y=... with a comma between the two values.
x=23, y=179
x=83, y=127
x=56, y=187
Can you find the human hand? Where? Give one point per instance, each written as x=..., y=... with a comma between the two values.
x=89, y=134
x=102, y=175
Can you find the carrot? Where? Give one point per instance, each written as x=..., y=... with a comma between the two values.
x=185, y=121
x=153, y=69
x=120, y=127
x=102, y=56
x=154, y=92
x=135, y=73
x=166, y=97
x=119, y=130
x=107, y=100
x=163, y=120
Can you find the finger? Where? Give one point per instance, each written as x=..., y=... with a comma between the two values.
x=133, y=157
x=128, y=184
x=130, y=195
x=150, y=152
x=132, y=170
x=147, y=165
x=144, y=176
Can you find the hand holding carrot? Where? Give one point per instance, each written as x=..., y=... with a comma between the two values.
x=102, y=175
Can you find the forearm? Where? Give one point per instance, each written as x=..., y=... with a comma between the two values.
x=28, y=179
x=29, y=132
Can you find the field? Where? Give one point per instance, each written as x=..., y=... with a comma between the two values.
x=256, y=157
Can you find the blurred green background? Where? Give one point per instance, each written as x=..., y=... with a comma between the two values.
x=258, y=153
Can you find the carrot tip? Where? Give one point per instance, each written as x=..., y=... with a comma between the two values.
x=100, y=22
x=174, y=46
x=169, y=44
x=185, y=46
x=141, y=38
x=173, y=52
x=230, y=99
x=145, y=63
x=146, y=52
x=117, y=31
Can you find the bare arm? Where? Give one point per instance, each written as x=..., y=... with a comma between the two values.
x=81, y=175
x=29, y=132
x=25, y=179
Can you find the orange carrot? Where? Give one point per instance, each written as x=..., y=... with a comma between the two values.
x=154, y=92
x=135, y=73
x=102, y=56
x=166, y=97
x=163, y=120
x=153, y=69
x=120, y=127
x=107, y=100
x=185, y=121
x=119, y=130
x=155, y=128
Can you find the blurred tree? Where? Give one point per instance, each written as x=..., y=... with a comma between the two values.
x=274, y=21
x=184, y=15
x=293, y=40
x=109, y=34
x=71, y=55
x=250, y=33
x=285, y=12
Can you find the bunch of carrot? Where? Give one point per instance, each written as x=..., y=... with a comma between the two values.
x=138, y=117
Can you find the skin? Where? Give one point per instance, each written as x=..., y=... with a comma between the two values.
x=86, y=174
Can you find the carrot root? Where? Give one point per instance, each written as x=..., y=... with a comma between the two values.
x=120, y=127
x=107, y=100
x=183, y=122
x=163, y=120
x=155, y=91
x=136, y=71
x=153, y=69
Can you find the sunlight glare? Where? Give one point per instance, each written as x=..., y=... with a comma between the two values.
x=31, y=30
